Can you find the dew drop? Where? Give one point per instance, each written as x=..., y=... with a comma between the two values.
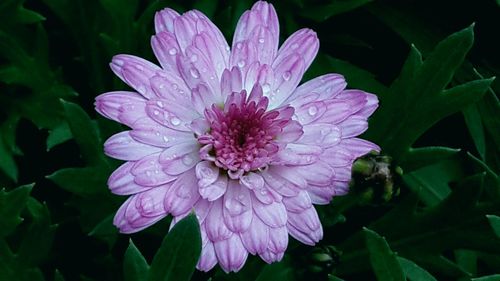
x=239, y=46
x=312, y=110
x=187, y=160
x=139, y=67
x=241, y=63
x=172, y=51
x=195, y=73
x=295, y=46
x=175, y=86
x=156, y=112
x=175, y=121
x=194, y=58
x=141, y=89
x=266, y=88
x=161, y=86
x=159, y=103
x=287, y=75
x=261, y=40
x=165, y=139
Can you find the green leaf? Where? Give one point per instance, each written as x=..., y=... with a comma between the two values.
x=135, y=267
x=37, y=242
x=495, y=224
x=475, y=125
x=11, y=205
x=431, y=182
x=424, y=156
x=82, y=181
x=495, y=277
x=58, y=276
x=323, y=12
x=58, y=135
x=458, y=222
x=382, y=259
x=279, y=271
x=419, y=98
x=414, y=272
x=85, y=133
x=7, y=163
x=179, y=252
x=105, y=230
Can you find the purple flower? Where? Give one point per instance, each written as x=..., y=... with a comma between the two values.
x=227, y=132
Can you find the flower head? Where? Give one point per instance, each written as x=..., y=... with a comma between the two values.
x=227, y=132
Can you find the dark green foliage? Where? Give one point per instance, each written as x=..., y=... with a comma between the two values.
x=438, y=125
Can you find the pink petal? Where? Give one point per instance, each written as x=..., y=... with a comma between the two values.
x=150, y=132
x=326, y=86
x=208, y=259
x=121, y=106
x=231, y=82
x=310, y=238
x=243, y=55
x=173, y=116
x=358, y=147
x=148, y=172
x=322, y=134
x=214, y=223
x=287, y=75
x=165, y=48
x=305, y=226
x=278, y=239
x=183, y=194
x=136, y=72
x=319, y=173
x=336, y=111
x=231, y=253
x=184, y=30
x=273, y=215
x=303, y=42
x=353, y=126
x=206, y=173
x=217, y=55
x=164, y=20
x=298, y=203
x=214, y=190
x=141, y=210
x=180, y=158
x=122, y=146
x=291, y=132
x=256, y=237
x=259, y=74
x=309, y=112
x=255, y=182
x=262, y=15
x=298, y=154
x=237, y=211
x=270, y=257
x=264, y=43
x=122, y=182
x=195, y=69
x=171, y=88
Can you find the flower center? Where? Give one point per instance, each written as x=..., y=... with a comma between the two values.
x=242, y=134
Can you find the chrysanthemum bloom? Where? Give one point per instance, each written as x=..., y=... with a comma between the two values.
x=227, y=133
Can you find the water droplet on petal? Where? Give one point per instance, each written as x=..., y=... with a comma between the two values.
x=187, y=160
x=195, y=73
x=261, y=40
x=175, y=121
x=266, y=88
x=183, y=192
x=141, y=89
x=295, y=46
x=161, y=86
x=312, y=110
x=234, y=207
x=165, y=139
x=172, y=51
x=194, y=58
x=159, y=103
x=175, y=86
x=287, y=75
x=239, y=46
x=241, y=63
x=156, y=112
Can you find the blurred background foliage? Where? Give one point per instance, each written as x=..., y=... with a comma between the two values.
x=426, y=209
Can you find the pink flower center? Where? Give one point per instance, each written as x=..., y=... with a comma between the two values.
x=242, y=134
